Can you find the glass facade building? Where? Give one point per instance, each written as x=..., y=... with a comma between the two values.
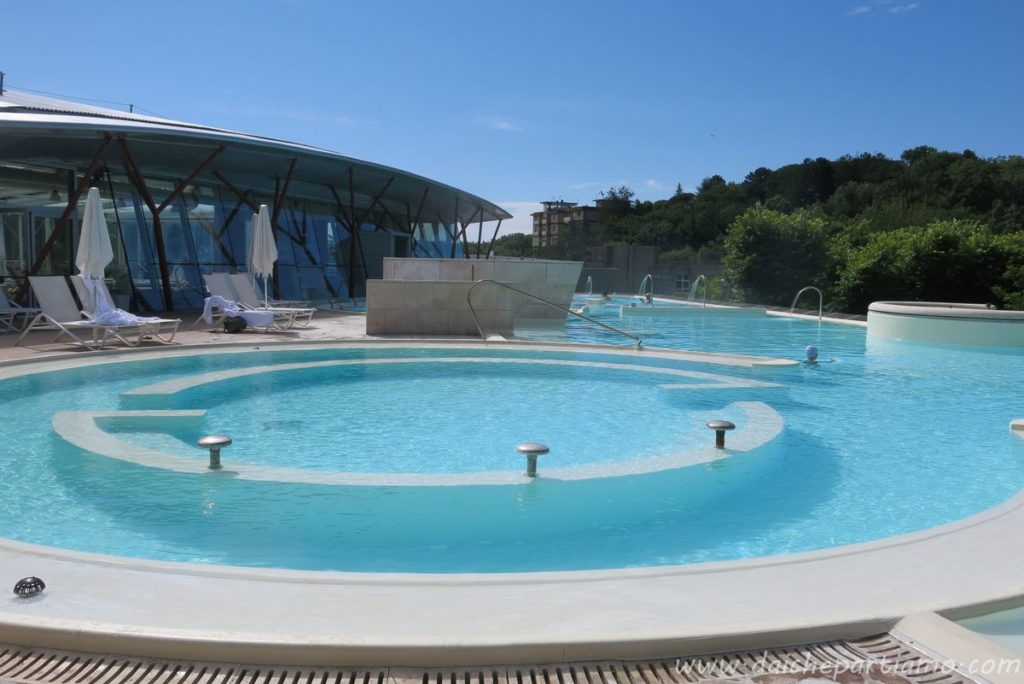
x=179, y=201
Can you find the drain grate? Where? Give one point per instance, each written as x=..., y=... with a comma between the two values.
x=882, y=659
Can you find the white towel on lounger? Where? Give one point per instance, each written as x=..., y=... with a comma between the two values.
x=257, y=319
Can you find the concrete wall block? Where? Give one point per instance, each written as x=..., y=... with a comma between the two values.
x=463, y=323
x=416, y=269
x=390, y=294
x=443, y=295
x=491, y=296
x=375, y=322
x=416, y=301
x=495, y=321
x=520, y=271
x=415, y=321
x=557, y=294
x=455, y=270
x=564, y=273
x=483, y=270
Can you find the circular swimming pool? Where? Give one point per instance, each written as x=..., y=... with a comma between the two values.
x=401, y=458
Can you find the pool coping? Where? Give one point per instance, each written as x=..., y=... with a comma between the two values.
x=137, y=607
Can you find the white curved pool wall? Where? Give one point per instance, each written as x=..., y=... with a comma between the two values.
x=946, y=323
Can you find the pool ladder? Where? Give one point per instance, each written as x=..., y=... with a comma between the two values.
x=792, y=306
x=476, y=319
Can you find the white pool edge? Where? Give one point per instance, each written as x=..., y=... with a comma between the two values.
x=138, y=607
x=621, y=614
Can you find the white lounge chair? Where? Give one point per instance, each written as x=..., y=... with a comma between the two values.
x=10, y=312
x=217, y=310
x=163, y=329
x=60, y=312
x=250, y=297
x=222, y=285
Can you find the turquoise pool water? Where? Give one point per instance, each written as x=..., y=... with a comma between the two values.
x=441, y=414
x=889, y=438
x=1005, y=627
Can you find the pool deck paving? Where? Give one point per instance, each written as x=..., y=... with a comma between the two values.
x=105, y=604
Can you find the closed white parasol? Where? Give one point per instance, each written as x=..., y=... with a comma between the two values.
x=262, y=248
x=94, y=251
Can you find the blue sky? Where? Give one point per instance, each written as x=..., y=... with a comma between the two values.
x=521, y=102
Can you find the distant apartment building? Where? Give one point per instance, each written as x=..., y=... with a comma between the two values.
x=559, y=217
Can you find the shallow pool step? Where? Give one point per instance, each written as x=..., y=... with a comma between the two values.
x=877, y=659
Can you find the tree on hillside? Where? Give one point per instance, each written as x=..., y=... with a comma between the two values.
x=771, y=255
x=514, y=245
x=717, y=205
x=615, y=202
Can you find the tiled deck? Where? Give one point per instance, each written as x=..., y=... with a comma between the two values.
x=326, y=325
x=876, y=660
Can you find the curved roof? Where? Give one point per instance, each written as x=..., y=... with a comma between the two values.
x=63, y=133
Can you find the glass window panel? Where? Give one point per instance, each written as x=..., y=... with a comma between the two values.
x=139, y=279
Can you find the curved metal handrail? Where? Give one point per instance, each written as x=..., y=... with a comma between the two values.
x=820, y=298
x=590, y=285
x=476, y=319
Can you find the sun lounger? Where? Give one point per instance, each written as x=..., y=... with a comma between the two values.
x=250, y=298
x=221, y=285
x=163, y=329
x=245, y=284
x=58, y=311
x=217, y=310
x=9, y=314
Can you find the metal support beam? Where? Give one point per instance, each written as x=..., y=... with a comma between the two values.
x=494, y=238
x=349, y=220
x=158, y=232
x=243, y=196
x=480, y=233
x=355, y=223
x=355, y=237
x=448, y=231
x=419, y=210
x=62, y=222
x=219, y=236
x=419, y=213
x=280, y=197
x=463, y=232
x=386, y=213
x=455, y=238
x=200, y=170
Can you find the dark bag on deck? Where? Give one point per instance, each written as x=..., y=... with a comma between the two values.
x=234, y=325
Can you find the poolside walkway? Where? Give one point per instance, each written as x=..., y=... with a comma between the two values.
x=327, y=325
x=877, y=660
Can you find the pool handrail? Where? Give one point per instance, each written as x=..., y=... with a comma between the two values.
x=792, y=306
x=476, y=319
